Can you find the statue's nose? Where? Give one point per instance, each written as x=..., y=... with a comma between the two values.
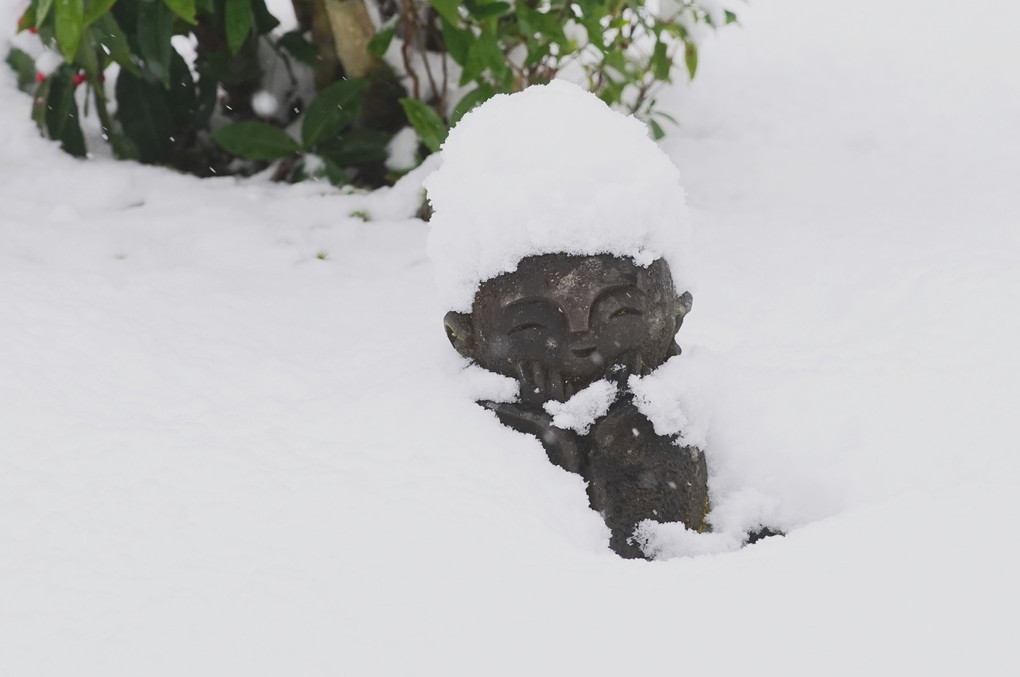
x=577, y=320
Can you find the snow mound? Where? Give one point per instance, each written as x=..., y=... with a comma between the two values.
x=481, y=384
x=584, y=408
x=666, y=540
x=551, y=169
x=678, y=397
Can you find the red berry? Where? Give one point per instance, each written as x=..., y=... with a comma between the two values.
x=78, y=79
x=39, y=77
x=33, y=30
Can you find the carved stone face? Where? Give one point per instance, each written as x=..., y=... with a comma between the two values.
x=572, y=316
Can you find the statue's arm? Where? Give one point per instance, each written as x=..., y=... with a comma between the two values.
x=562, y=446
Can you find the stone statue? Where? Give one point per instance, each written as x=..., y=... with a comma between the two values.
x=559, y=323
x=561, y=246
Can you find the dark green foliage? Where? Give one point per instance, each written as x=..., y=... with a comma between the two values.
x=61, y=115
x=69, y=20
x=334, y=108
x=145, y=117
x=163, y=113
x=24, y=66
x=238, y=20
x=298, y=47
x=256, y=140
x=426, y=122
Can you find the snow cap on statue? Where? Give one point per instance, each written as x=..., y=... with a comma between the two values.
x=550, y=170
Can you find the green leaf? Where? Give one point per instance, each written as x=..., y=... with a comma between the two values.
x=238, y=19
x=657, y=131
x=70, y=20
x=42, y=10
x=730, y=17
x=145, y=116
x=426, y=122
x=491, y=52
x=27, y=19
x=299, y=48
x=111, y=39
x=96, y=9
x=126, y=15
x=447, y=10
x=123, y=147
x=155, y=28
x=208, y=90
x=265, y=22
x=594, y=30
x=691, y=58
x=358, y=146
x=24, y=66
x=473, y=98
x=207, y=6
x=40, y=105
x=482, y=11
x=457, y=41
x=331, y=110
x=182, y=100
x=86, y=57
x=617, y=60
x=487, y=50
x=380, y=42
x=334, y=173
x=474, y=64
x=256, y=140
x=62, y=113
x=662, y=114
x=484, y=53
x=660, y=62
x=182, y=8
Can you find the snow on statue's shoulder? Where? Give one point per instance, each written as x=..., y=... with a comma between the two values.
x=551, y=169
x=678, y=397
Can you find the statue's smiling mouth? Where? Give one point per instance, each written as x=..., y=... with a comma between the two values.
x=583, y=352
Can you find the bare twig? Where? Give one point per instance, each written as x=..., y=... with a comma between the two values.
x=420, y=37
x=430, y=25
x=406, y=11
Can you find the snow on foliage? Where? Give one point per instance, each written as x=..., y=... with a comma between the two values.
x=551, y=169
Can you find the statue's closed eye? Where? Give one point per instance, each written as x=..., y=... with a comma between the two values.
x=626, y=311
x=524, y=326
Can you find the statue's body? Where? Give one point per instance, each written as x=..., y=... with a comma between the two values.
x=559, y=323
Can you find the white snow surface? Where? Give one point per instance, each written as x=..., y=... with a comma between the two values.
x=584, y=407
x=551, y=169
x=678, y=397
x=222, y=453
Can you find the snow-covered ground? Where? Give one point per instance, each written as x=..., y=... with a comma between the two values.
x=234, y=438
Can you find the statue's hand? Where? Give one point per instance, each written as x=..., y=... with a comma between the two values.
x=562, y=446
x=540, y=384
x=624, y=366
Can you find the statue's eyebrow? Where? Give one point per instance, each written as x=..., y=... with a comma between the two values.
x=530, y=299
x=618, y=288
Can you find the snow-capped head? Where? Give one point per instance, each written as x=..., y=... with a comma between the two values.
x=550, y=170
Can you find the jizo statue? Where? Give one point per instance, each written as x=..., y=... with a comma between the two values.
x=558, y=324
x=560, y=247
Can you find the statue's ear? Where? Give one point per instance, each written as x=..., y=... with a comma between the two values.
x=683, y=306
x=460, y=331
